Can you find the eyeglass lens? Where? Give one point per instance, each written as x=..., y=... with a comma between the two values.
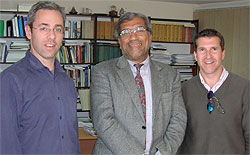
x=138, y=31
x=210, y=105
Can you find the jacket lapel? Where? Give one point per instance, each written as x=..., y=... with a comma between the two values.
x=157, y=81
x=126, y=76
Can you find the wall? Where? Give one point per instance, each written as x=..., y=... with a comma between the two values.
x=233, y=22
x=149, y=8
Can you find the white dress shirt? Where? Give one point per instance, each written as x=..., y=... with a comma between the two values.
x=146, y=77
x=223, y=77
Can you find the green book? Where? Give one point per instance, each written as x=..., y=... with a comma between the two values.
x=1, y=28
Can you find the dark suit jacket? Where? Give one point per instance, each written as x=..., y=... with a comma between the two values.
x=117, y=113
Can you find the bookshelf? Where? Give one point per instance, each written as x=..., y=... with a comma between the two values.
x=173, y=44
x=89, y=39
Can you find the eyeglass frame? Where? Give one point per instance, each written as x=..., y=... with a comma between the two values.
x=213, y=100
x=48, y=29
x=135, y=31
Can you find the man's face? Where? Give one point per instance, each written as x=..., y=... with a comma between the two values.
x=135, y=46
x=209, y=56
x=45, y=44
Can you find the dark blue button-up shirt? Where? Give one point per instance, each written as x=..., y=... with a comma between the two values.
x=38, y=109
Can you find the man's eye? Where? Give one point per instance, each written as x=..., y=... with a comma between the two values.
x=43, y=28
x=202, y=49
x=125, y=32
x=58, y=29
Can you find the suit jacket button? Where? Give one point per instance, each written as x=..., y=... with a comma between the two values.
x=143, y=127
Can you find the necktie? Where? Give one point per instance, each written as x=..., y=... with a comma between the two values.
x=141, y=88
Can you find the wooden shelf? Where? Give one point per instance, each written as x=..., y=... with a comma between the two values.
x=87, y=142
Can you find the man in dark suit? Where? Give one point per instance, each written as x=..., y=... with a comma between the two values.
x=149, y=118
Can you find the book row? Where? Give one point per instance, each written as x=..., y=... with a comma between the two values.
x=14, y=27
x=69, y=53
x=76, y=54
x=107, y=52
x=79, y=29
x=173, y=32
x=106, y=29
x=85, y=29
x=79, y=73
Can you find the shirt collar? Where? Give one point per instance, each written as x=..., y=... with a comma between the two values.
x=35, y=62
x=145, y=63
x=223, y=77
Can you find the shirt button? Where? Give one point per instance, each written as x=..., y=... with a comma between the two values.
x=60, y=117
x=62, y=137
x=58, y=98
x=143, y=127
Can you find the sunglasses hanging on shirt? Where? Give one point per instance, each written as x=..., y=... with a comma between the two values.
x=212, y=101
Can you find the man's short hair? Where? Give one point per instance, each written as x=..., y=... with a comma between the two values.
x=209, y=33
x=45, y=5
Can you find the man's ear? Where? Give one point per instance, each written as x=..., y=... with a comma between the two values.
x=119, y=41
x=195, y=55
x=28, y=31
x=223, y=54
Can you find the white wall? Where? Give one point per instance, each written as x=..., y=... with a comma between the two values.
x=149, y=8
x=236, y=4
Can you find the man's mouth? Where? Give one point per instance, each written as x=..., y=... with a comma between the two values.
x=135, y=44
x=50, y=45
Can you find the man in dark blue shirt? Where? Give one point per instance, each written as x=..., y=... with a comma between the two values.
x=38, y=99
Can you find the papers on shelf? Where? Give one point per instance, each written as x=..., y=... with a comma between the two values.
x=88, y=127
x=159, y=53
x=182, y=59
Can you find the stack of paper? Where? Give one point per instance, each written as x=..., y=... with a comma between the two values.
x=160, y=54
x=182, y=59
x=17, y=50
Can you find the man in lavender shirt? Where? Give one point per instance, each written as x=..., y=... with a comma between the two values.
x=38, y=99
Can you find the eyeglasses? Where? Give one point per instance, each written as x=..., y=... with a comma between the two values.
x=212, y=99
x=44, y=29
x=139, y=31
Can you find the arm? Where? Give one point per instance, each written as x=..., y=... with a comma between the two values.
x=10, y=96
x=246, y=118
x=108, y=128
x=177, y=124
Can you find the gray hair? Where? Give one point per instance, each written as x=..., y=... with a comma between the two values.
x=45, y=5
x=130, y=16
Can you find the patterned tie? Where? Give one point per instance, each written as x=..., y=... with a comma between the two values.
x=141, y=88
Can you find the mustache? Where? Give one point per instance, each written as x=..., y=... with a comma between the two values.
x=135, y=42
x=50, y=42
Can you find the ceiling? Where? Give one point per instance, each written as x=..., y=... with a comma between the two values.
x=197, y=1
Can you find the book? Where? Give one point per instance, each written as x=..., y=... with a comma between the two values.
x=78, y=29
x=2, y=50
x=66, y=33
x=24, y=23
x=16, y=25
x=2, y=28
x=108, y=31
x=9, y=28
x=101, y=29
x=20, y=26
x=84, y=95
x=83, y=27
